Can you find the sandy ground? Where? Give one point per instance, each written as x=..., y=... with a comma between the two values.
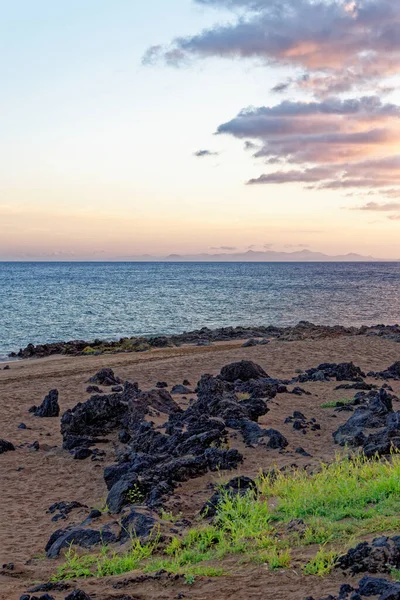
x=30, y=481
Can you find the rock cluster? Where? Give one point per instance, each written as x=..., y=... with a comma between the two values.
x=154, y=460
x=382, y=555
x=392, y=372
x=367, y=587
x=375, y=412
x=328, y=371
x=205, y=336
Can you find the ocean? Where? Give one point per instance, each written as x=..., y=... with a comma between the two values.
x=47, y=302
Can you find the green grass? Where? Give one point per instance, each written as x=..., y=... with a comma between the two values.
x=322, y=564
x=347, y=488
x=395, y=573
x=335, y=403
x=107, y=562
x=338, y=503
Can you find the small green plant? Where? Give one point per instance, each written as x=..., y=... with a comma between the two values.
x=89, y=350
x=395, y=573
x=135, y=494
x=169, y=516
x=275, y=558
x=190, y=579
x=322, y=564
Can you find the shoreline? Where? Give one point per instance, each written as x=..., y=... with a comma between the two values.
x=199, y=337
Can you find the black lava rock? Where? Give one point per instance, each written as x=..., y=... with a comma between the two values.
x=6, y=446
x=49, y=406
x=243, y=370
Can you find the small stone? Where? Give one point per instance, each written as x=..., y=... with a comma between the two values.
x=6, y=446
x=81, y=453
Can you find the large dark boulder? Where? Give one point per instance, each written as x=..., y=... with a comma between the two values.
x=392, y=372
x=49, y=406
x=137, y=524
x=160, y=399
x=376, y=412
x=243, y=370
x=86, y=538
x=114, y=473
x=265, y=387
x=6, y=446
x=382, y=442
x=105, y=377
x=373, y=586
x=275, y=439
x=223, y=460
x=255, y=408
x=328, y=371
x=96, y=416
x=382, y=555
x=127, y=490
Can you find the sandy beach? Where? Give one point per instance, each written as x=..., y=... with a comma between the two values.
x=32, y=480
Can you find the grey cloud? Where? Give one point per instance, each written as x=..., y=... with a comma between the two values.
x=281, y=87
x=204, y=153
x=379, y=174
x=342, y=42
x=250, y=145
x=152, y=55
x=331, y=46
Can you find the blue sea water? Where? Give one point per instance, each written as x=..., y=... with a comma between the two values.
x=46, y=302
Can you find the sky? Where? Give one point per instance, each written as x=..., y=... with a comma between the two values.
x=190, y=126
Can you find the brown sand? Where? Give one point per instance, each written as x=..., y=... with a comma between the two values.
x=33, y=480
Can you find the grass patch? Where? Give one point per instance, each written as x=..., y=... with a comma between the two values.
x=347, y=488
x=344, y=500
x=336, y=403
x=107, y=562
x=322, y=564
x=395, y=573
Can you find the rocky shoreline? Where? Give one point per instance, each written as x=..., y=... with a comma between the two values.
x=205, y=336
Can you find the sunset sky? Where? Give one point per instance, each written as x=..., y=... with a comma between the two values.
x=185, y=126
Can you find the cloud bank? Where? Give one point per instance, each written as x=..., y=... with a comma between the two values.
x=334, y=48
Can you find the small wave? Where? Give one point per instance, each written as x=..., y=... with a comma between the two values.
x=4, y=358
